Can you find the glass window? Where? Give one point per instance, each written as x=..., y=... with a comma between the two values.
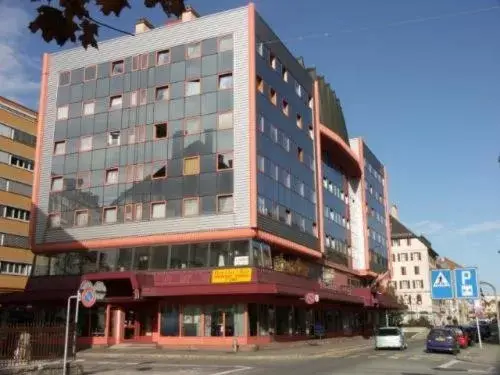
x=179, y=256
x=86, y=143
x=160, y=257
x=63, y=112
x=161, y=131
x=192, y=126
x=225, y=203
x=81, y=218
x=191, y=166
x=144, y=60
x=158, y=210
x=273, y=97
x=60, y=148
x=54, y=220
x=284, y=107
x=198, y=255
x=83, y=180
x=57, y=184
x=107, y=260
x=226, y=43
x=163, y=57
x=191, y=207
x=133, y=98
x=225, y=161
x=162, y=93
x=110, y=215
x=159, y=170
x=88, y=108
x=193, y=50
x=191, y=322
x=225, y=120
x=117, y=67
x=169, y=320
x=124, y=261
x=142, y=256
x=90, y=73
x=64, y=78
x=112, y=176
x=226, y=81
x=193, y=87
x=116, y=102
x=114, y=138
x=143, y=96
x=220, y=254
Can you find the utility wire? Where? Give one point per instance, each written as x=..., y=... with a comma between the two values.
x=392, y=24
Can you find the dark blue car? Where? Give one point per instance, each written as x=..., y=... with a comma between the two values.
x=442, y=340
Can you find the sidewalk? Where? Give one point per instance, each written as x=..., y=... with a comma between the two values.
x=275, y=351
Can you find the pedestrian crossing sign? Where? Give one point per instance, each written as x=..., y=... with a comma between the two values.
x=442, y=284
x=441, y=281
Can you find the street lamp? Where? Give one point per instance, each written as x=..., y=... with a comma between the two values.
x=496, y=306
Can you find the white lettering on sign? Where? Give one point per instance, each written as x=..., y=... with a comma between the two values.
x=466, y=276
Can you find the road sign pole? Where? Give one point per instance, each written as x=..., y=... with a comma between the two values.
x=66, y=333
x=479, y=333
x=77, y=309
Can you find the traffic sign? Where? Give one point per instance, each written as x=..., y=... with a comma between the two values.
x=88, y=297
x=467, y=283
x=100, y=290
x=441, y=284
x=311, y=298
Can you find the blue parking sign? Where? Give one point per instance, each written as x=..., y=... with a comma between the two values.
x=467, y=283
x=441, y=284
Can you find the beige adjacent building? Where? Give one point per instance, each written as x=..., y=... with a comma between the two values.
x=17, y=155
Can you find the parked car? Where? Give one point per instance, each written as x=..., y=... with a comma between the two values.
x=462, y=335
x=390, y=338
x=471, y=334
x=442, y=340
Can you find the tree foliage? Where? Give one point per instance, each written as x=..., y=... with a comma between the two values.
x=72, y=20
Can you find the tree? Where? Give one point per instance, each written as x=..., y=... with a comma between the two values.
x=72, y=20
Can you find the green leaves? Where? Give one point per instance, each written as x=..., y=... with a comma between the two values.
x=71, y=19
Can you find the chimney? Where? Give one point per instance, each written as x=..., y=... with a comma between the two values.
x=189, y=14
x=143, y=25
x=394, y=211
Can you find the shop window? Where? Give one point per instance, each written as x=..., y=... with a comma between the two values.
x=179, y=256
x=169, y=320
x=223, y=321
x=191, y=321
x=92, y=322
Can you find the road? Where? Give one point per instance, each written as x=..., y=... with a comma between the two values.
x=413, y=361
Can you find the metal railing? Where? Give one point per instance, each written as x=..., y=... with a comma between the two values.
x=25, y=344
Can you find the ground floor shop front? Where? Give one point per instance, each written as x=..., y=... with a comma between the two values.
x=221, y=321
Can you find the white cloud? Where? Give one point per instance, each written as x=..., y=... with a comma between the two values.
x=15, y=65
x=428, y=227
x=485, y=226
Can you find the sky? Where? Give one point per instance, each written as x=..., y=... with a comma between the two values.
x=418, y=80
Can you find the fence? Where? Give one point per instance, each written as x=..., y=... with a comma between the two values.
x=24, y=344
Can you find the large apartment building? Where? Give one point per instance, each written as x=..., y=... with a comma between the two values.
x=17, y=154
x=205, y=176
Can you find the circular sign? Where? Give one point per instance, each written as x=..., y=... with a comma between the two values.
x=88, y=297
x=310, y=298
x=86, y=284
x=100, y=290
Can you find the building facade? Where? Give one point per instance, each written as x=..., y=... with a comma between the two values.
x=185, y=167
x=413, y=258
x=17, y=154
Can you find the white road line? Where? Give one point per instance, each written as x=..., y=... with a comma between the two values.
x=394, y=357
x=239, y=369
x=449, y=364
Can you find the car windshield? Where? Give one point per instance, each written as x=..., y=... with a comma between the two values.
x=439, y=332
x=388, y=332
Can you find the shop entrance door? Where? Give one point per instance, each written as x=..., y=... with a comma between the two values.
x=140, y=322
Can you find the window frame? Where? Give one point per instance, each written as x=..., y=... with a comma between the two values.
x=50, y=217
x=66, y=116
x=197, y=56
x=218, y=197
x=157, y=90
x=107, y=172
x=56, y=178
x=85, y=79
x=196, y=157
x=220, y=77
x=219, y=114
x=115, y=63
x=217, y=160
x=79, y=175
x=186, y=85
x=86, y=103
x=80, y=143
x=184, y=125
x=55, y=148
x=107, y=209
x=190, y=199
x=75, y=221
x=155, y=128
x=152, y=204
x=111, y=106
x=158, y=53
x=225, y=37
x=69, y=78
x=163, y=165
x=109, y=138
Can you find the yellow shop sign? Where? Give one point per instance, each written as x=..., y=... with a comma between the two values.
x=232, y=275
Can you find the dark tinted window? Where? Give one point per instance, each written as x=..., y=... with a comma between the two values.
x=388, y=332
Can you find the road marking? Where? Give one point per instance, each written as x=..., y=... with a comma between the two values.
x=414, y=358
x=238, y=369
x=354, y=356
x=394, y=357
x=449, y=364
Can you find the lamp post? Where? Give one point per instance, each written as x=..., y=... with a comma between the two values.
x=496, y=306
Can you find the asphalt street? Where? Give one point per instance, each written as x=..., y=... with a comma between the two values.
x=413, y=361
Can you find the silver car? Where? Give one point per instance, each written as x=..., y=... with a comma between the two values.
x=390, y=338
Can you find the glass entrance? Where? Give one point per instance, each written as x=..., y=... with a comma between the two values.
x=139, y=322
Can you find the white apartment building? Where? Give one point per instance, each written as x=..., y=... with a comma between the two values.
x=412, y=260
